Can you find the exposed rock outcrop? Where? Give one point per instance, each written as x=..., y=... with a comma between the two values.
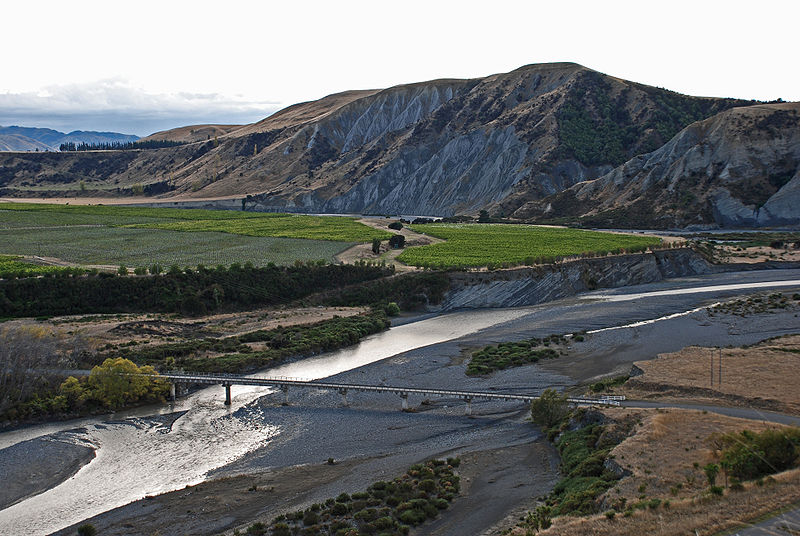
x=531, y=286
x=740, y=168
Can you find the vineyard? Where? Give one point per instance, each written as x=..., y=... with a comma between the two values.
x=336, y=228
x=138, y=236
x=497, y=245
x=12, y=266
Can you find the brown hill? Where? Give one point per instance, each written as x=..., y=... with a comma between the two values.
x=436, y=148
x=192, y=133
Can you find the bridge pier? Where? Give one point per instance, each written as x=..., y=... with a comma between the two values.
x=404, y=401
x=343, y=392
x=172, y=391
x=468, y=409
x=227, y=393
x=285, y=389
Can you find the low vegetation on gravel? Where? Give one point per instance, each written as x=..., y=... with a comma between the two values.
x=514, y=354
x=584, y=441
x=757, y=304
x=392, y=507
x=256, y=349
x=498, y=245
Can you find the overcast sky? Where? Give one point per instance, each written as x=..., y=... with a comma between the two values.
x=138, y=67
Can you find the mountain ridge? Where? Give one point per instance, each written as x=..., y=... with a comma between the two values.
x=443, y=147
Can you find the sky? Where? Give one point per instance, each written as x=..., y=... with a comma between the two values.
x=139, y=67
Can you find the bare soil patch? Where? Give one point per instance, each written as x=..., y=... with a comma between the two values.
x=756, y=254
x=387, y=254
x=764, y=376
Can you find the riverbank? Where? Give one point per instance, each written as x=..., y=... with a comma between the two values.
x=382, y=442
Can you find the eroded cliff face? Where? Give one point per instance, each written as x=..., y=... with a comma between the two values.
x=531, y=286
x=740, y=168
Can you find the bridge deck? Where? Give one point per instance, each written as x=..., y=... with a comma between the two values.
x=230, y=379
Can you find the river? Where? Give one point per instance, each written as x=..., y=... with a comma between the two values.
x=149, y=451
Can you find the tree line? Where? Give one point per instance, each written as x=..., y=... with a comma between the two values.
x=71, y=146
x=190, y=292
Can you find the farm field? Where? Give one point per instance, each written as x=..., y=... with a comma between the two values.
x=13, y=266
x=138, y=236
x=335, y=228
x=495, y=245
x=144, y=247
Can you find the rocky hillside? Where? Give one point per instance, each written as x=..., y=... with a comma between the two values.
x=435, y=148
x=740, y=168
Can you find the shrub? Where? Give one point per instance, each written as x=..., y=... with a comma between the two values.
x=257, y=529
x=281, y=529
x=310, y=518
x=395, y=225
x=87, y=529
x=391, y=309
x=339, y=509
x=549, y=409
x=397, y=241
x=413, y=516
x=748, y=455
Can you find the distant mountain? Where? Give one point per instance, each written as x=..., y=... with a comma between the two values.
x=29, y=138
x=500, y=143
x=740, y=168
x=18, y=142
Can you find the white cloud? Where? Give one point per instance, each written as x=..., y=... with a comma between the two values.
x=115, y=104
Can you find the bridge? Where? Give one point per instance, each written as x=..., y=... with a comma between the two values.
x=284, y=384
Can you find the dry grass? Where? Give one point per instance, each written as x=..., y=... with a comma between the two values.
x=761, y=376
x=660, y=456
x=707, y=514
x=757, y=254
x=662, y=453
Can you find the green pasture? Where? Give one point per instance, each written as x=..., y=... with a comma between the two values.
x=142, y=236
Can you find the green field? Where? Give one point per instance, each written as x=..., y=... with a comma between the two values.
x=144, y=247
x=335, y=228
x=139, y=236
x=12, y=266
x=496, y=245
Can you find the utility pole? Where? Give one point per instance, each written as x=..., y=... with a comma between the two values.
x=712, y=368
x=719, y=376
